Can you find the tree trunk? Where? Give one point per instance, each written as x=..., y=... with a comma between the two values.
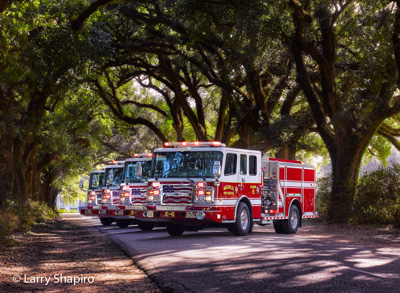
x=286, y=152
x=6, y=173
x=53, y=197
x=19, y=184
x=6, y=151
x=346, y=160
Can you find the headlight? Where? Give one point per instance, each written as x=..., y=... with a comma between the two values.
x=204, y=194
x=200, y=215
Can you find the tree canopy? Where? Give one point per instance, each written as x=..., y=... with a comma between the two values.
x=82, y=82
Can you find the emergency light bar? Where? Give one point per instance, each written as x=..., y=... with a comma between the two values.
x=193, y=144
x=118, y=162
x=143, y=155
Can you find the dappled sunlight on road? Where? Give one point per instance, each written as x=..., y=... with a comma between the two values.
x=214, y=260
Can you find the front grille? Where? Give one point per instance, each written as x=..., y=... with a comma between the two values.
x=177, y=193
x=139, y=195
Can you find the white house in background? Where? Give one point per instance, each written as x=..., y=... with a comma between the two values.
x=67, y=205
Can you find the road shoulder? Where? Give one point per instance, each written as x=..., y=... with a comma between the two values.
x=69, y=256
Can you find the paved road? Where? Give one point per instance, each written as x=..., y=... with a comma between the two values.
x=213, y=260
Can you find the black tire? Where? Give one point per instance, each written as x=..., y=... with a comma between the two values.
x=242, y=225
x=144, y=226
x=278, y=226
x=123, y=223
x=291, y=225
x=106, y=221
x=251, y=227
x=175, y=229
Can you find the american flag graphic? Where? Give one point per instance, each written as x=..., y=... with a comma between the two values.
x=115, y=197
x=177, y=193
x=139, y=195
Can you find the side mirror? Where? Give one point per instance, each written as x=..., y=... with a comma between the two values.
x=81, y=184
x=138, y=170
x=217, y=169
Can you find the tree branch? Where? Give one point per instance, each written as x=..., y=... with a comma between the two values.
x=81, y=19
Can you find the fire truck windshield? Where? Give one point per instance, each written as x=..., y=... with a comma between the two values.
x=114, y=176
x=96, y=180
x=176, y=164
x=129, y=171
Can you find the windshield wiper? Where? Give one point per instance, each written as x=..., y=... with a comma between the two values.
x=189, y=179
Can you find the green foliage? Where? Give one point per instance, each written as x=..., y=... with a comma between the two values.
x=19, y=217
x=378, y=197
x=8, y=224
x=68, y=185
x=378, y=148
x=323, y=196
x=71, y=211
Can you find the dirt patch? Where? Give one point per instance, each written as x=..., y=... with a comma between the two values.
x=345, y=233
x=68, y=256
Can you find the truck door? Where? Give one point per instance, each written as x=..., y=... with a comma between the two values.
x=231, y=173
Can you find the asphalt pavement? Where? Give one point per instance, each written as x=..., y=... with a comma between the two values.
x=213, y=260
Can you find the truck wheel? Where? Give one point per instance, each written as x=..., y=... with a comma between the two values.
x=123, y=223
x=175, y=229
x=291, y=225
x=106, y=221
x=242, y=225
x=278, y=226
x=145, y=226
x=251, y=227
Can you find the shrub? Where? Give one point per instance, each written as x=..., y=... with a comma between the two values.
x=19, y=217
x=41, y=211
x=378, y=197
x=323, y=196
x=8, y=224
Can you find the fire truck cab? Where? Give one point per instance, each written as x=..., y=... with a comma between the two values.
x=133, y=190
x=93, y=200
x=113, y=177
x=207, y=183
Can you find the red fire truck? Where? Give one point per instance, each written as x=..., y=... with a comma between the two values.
x=133, y=192
x=207, y=183
x=93, y=200
x=113, y=176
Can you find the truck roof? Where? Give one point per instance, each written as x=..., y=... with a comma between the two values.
x=204, y=149
x=138, y=159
